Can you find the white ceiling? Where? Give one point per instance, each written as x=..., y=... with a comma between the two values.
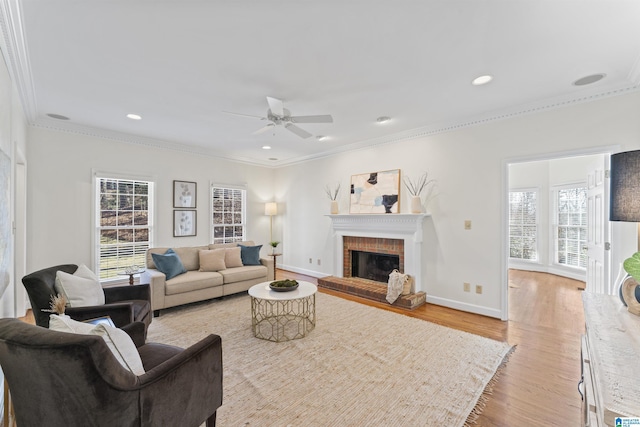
x=180, y=64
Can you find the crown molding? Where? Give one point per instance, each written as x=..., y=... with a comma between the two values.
x=17, y=57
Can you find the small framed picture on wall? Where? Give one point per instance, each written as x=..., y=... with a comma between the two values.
x=184, y=223
x=184, y=194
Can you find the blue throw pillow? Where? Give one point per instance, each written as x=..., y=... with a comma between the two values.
x=250, y=254
x=169, y=263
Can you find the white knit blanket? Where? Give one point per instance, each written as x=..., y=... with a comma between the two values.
x=395, y=285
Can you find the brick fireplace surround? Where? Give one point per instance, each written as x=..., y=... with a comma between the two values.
x=393, y=234
x=370, y=244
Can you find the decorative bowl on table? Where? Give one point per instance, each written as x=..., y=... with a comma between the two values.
x=283, y=285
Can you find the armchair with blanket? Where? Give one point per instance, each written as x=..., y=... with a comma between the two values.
x=74, y=379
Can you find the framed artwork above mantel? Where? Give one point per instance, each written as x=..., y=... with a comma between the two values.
x=375, y=192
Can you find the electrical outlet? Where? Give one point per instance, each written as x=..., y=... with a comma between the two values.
x=467, y=224
x=478, y=289
x=310, y=260
x=467, y=287
x=318, y=261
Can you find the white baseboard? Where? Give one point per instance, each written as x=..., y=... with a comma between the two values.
x=462, y=306
x=312, y=273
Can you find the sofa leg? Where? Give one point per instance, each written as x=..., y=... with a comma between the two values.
x=156, y=313
x=211, y=421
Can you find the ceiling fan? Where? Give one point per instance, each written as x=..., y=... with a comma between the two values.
x=278, y=115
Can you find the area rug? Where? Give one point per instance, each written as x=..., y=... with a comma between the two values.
x=360, y=366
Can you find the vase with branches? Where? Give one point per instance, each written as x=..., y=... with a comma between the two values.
x=416, y=188
x=332, y=193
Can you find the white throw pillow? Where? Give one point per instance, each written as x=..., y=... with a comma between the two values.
x=66, y=324
x=122, y=347
x=118, y=341
x=81, y=289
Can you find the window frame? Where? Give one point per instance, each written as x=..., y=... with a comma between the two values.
x=95, y=235
x=235, y=187
x=536, y=191
x=554, y=228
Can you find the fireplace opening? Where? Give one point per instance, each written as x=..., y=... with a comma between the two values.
x=373, y=266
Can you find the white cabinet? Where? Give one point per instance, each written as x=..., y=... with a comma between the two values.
x=610, y=361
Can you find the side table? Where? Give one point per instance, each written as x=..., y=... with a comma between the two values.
x=274, y=255
x=131, y=274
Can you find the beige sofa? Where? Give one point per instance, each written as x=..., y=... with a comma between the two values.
x=195, y=285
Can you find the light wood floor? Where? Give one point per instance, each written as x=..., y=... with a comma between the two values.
x=538, y=386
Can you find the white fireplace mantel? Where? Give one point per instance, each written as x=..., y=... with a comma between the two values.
x=407, y=227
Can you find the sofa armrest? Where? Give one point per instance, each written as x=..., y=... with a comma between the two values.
x=120, y=313
x=126, y=293
x=156, y=280
x=136, y=331
x=268, y=262
x=197, y=373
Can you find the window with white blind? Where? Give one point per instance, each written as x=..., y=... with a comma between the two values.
x=124, y=221
x=228, y=208
x=523, y=225
x=571, y=226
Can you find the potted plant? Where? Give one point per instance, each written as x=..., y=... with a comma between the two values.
x=274, y=245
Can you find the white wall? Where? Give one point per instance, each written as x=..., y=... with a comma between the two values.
x=60, y=192
x=470, y=166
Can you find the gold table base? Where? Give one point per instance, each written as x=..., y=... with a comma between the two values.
x=283, y=320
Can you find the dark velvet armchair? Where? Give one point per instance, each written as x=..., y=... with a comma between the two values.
x=61, y=379
x=124, y=304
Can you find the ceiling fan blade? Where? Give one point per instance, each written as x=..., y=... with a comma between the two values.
x=276, y=106
x=244, y=115
x=263, y=129
x=312, y=119
x=298, y=131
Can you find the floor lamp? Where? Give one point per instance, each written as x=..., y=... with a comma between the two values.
x=271, y=209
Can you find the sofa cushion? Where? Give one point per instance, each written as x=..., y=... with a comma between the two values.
x=169, y=263
x=250, y=254
x=232, y=257
x=240, y=274
x=212, y=259
x=81, y=288
x=192, y=281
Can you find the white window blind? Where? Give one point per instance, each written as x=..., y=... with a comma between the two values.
x=228, y=207
x=523, y=225
x=124, y=218
x=571, y=226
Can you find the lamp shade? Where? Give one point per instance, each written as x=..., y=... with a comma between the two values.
x=271, y=208
x=625, y=187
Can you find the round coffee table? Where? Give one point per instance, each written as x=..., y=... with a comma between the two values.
x=283, y=316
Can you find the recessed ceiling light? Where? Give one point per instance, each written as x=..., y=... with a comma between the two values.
x=58, y=116
x=322, y=137
x=383, y=119
x=482, y=80
x=134, y=116
x=266, y=147
x=587, y=80
x=272, y=158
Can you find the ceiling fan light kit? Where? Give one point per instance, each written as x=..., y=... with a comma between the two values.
x=280, y=116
